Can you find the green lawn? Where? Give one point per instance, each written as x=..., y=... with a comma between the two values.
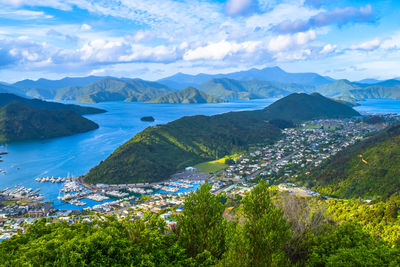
x=210, y=167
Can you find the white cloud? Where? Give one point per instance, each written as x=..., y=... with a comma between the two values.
x=220, y=50
x=328, y=49
x=290, y=42
x=23, y=14
x=86, y=27
x=367, y=46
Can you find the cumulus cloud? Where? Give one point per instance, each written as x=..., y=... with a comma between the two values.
x=220, y=50
x=290, y=42
x=22, y=51
x=337, y=16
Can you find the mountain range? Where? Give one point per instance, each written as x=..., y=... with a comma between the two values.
x=250, y=84
x=157, y=152
x=273, y=74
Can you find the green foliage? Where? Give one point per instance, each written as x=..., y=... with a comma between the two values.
x=349, y=245
x=260, y=241
x=22, y=122
x=201, y=227
x=99, y=243
x=189, y=95
x=368, y=169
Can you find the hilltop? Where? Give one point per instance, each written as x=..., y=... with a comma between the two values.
x=157, y=152
x=301, y=107
x=19, y=121
x=112, y=89
x=189, y=95
x=6, y=99
x=368, y=169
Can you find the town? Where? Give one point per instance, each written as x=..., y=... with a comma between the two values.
x=299, y=151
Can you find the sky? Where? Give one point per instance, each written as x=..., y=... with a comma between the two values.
x=153, y=39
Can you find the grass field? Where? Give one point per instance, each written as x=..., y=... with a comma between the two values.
x=210, y=166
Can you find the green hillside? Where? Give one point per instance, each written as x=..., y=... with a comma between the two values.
x=22, y=122
x=367, y=169
x=6, y=99
x=189, y=95
x=336, y=88
x=112, y=89
x=157, y=152
x=233, y=89
x=302, y=107
x=374, y=91
x=346, y=90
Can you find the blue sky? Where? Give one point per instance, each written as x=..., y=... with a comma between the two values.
x=153, y=39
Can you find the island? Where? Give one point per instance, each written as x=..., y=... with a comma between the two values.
x=147, y=118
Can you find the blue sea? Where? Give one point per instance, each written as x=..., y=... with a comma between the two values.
x=75, y=155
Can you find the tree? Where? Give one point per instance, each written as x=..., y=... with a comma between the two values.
x=260, y=241
x=201, y=227
x=349, y=245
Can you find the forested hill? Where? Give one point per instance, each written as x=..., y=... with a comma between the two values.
x=301, y=107
x=157, y=152
x=6, y=99
x=22, y=122
x=113, y=89
x=189, y=95
x=367, y=169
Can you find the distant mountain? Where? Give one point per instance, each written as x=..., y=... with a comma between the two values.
x=368, y=81
x=6, y=99
x=346, y=90
x=10, y=89
x=22, y=122
x=301, y=107
x=368, y=169
x=157, y=152
x=189, y=95
x=374, y=91
x=57, y=84
x=234, y=89
x=44, y=88
x=274, y=74
x=112, y=89
x=336, y=88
